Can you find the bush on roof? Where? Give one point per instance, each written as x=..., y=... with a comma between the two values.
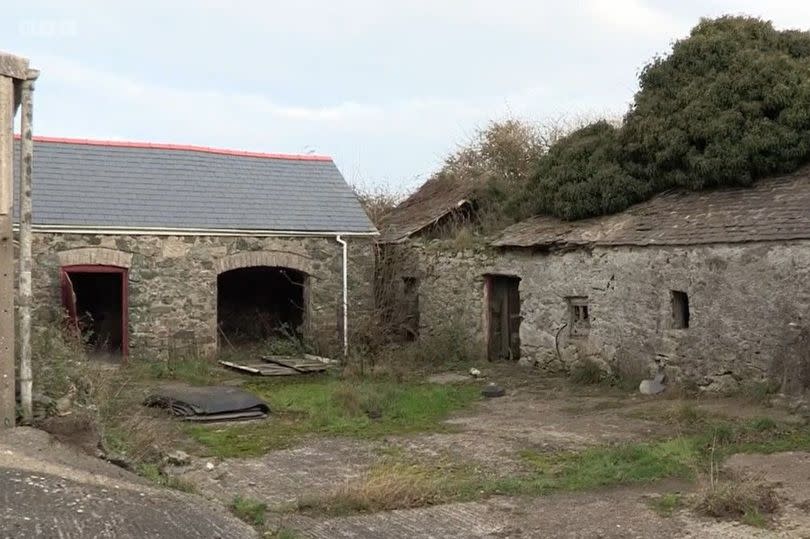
x=728, y=105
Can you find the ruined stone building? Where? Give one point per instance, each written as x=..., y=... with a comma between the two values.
x=712, y=286
x=151, y=248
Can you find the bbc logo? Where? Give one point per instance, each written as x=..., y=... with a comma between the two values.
x=49, y=28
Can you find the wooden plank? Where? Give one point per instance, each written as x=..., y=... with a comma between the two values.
x=261, y=369
x=302, y=366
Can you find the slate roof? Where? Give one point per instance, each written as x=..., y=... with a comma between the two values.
x=127, y=185
x=773, y=209
x=433, y=200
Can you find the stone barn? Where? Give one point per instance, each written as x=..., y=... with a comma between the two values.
x=711, y=287
x=152, y=248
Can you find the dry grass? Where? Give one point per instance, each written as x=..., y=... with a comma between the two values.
x=747, y=501
x=390, y=486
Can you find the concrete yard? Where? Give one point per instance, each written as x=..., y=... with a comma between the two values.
x=537, y=414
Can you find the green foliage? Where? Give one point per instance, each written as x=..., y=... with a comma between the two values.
x=365, y=408
x=728, y=105
x=249, y=510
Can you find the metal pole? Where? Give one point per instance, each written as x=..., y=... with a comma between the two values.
x=345, y=295
x=7, y=397
x=26, y=207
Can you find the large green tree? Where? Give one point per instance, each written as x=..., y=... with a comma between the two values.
x=728, y=105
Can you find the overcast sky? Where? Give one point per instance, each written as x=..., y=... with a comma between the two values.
x=386, y=87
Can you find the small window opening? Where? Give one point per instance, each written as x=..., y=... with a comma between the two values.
x=680, y=309
x=579, y=317
x=410, y=315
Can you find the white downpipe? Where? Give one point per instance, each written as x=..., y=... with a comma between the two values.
x=345, y=294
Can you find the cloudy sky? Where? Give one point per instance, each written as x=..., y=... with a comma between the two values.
x=385, y=87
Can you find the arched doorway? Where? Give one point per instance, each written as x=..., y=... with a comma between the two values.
x=259, y=303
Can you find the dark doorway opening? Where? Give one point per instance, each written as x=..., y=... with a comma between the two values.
x=260, y=303
x=503, y=315
x=95, y=299
x=410, y=306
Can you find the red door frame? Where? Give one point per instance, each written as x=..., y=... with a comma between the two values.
x=65, y=271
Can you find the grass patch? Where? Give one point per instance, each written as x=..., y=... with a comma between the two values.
x=606, y=466
x=249, y=510
x=197, y=371
x=667, y=504
x=324, y=405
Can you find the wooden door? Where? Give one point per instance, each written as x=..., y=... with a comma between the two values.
x=504, y=317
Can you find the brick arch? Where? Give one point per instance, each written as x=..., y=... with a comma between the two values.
x=95, y=256
x=277, y=259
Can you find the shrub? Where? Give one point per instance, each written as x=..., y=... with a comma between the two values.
x=728, y=105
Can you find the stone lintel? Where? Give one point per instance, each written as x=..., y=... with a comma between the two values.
x=95, y=256
x=15, y=67
x=276, y=259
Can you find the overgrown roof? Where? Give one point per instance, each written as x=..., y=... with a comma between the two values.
x=435, y=199
x=772, y=209
x=86, y=184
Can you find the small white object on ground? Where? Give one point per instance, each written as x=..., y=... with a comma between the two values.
x=209, y=466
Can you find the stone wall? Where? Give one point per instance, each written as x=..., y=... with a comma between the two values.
x=173, y=282
x=748, y=304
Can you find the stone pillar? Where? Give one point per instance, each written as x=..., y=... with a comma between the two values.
x=26, y=208
x=12, y=70
x=7, y=400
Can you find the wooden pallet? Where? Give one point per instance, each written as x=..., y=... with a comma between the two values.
x=280, y=365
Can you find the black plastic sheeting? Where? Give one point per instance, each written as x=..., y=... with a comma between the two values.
x=208, y=403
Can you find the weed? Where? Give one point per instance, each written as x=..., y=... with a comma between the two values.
x=249, y=510
x=759, y=392
x=762, y=424
x=746, y=501
x=153, y=473
x=688, y=415
x=588, y=372
x=667, y=504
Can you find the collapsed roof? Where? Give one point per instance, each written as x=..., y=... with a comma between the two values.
x=437, y=198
